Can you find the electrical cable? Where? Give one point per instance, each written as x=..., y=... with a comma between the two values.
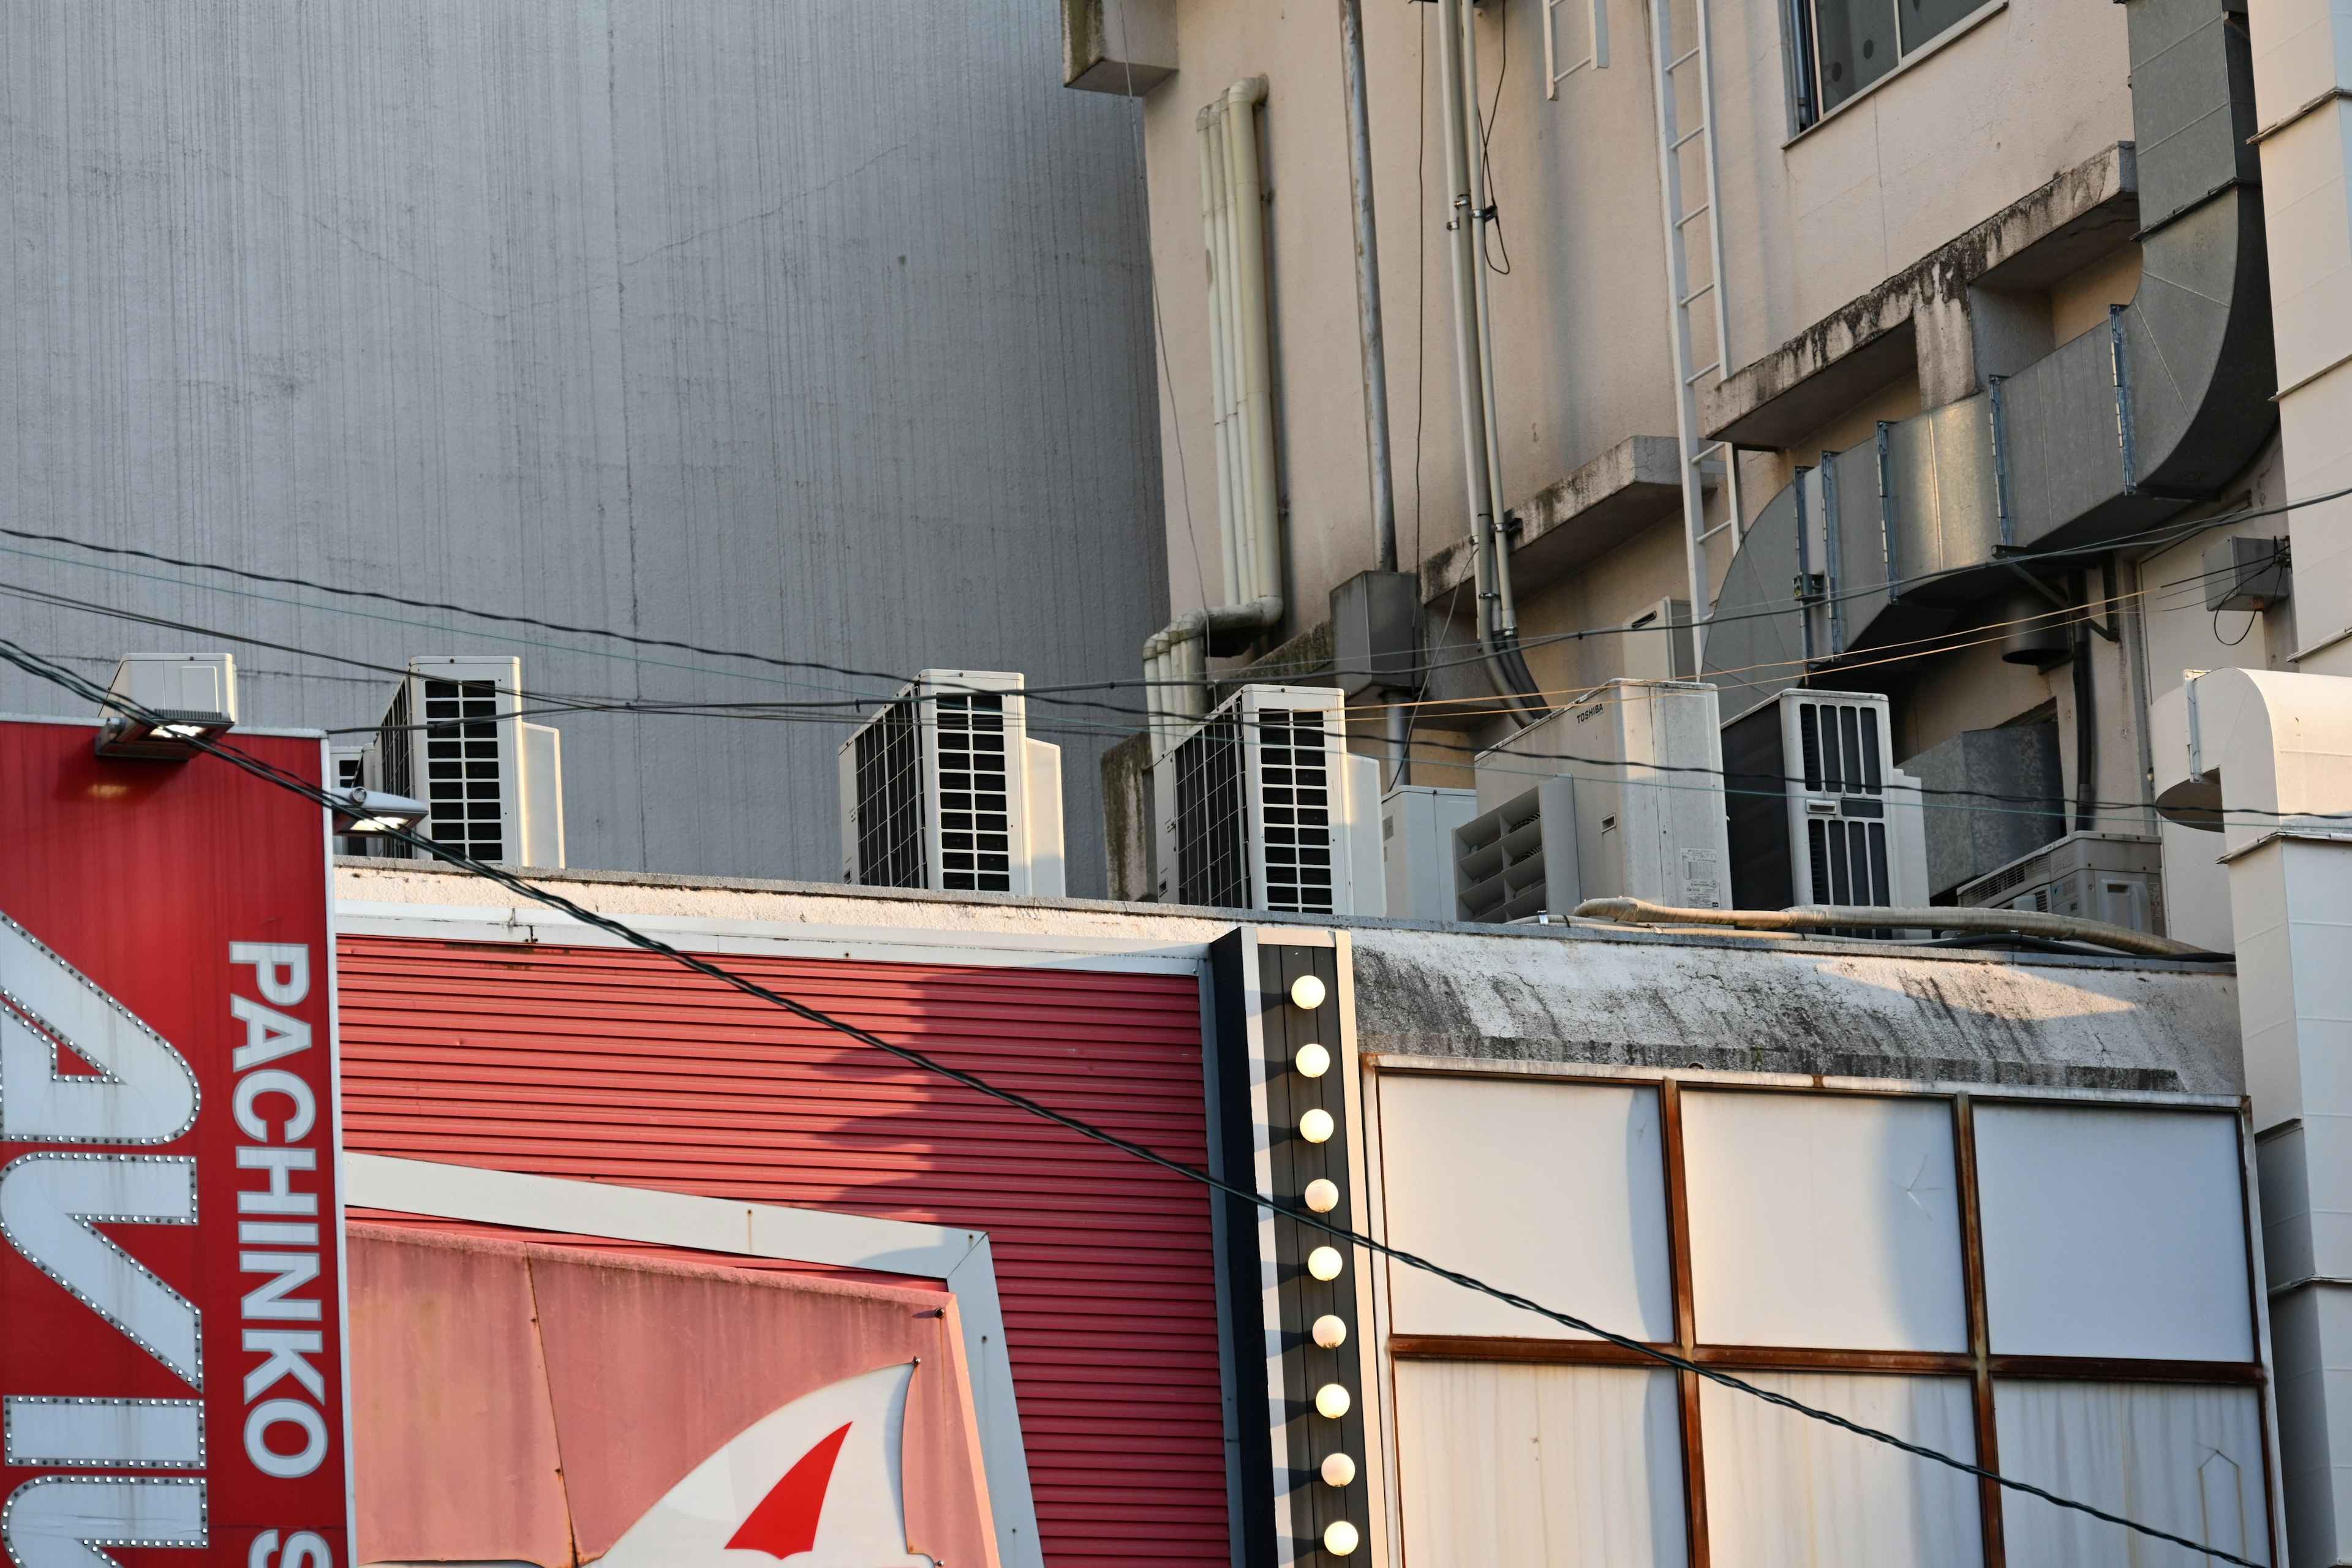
x=1738, y=613
x=270, y=774
x=545, y=704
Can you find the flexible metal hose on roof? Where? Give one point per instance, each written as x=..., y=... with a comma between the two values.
x=1862, y=917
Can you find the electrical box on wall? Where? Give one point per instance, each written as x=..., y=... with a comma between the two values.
x=1261, y=807
x=943, y=789
x=1642, y=807
x=1819, y=813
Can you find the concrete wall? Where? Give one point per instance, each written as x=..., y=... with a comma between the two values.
x=821, y=334
x=1581, y=345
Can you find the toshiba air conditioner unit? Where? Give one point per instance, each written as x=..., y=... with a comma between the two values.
x=943, y=789
x=1819, y=813
x=1264, y=807
x=454, y=738
x=1617, y=795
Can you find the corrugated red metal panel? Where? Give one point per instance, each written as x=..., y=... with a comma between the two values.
x=622, y=1066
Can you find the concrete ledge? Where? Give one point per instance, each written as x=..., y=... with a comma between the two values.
x=1920, y=317
x=1570, y=521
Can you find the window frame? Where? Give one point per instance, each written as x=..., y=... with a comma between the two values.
x=1801, y=62
x=1979, y=1365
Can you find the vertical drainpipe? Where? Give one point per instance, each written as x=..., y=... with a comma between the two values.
x=1473, y=375
x=1376, y=371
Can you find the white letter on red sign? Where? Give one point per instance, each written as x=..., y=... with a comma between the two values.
x=60, y=1522
x=148, y=1092
x=51, y=1207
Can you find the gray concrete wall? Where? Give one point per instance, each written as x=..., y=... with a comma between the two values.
x=814, y=331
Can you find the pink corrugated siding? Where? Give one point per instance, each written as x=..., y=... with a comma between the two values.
x=621, y=1067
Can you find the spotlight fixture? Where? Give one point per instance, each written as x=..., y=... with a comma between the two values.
x=1331, y=1401
x=374, y=811
x=1316, y=1126
x=1312, y=1061
x=187, y=697
x=1322, y=1194
x=1306, y=992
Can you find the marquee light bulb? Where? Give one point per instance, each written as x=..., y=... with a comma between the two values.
x=1331, y=1401
x=1339, y=1471
x=1316, y=1126
x=1324, y=1263
x=1322, y=1194
x=1340, y=1539
x=1312, y=1061
x=1330, y=1331
x=1306, y=992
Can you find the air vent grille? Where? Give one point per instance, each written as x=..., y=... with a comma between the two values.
x=1840, y=748
x=976, y=821
x=1295, y=806
x=889, y=767
x=1849, y=862
x=462, y=780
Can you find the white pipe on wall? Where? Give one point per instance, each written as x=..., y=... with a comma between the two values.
x=1241, y=389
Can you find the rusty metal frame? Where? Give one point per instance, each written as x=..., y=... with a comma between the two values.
x=1978, y=1363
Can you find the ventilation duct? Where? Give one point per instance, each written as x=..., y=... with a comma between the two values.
x=2109, y=434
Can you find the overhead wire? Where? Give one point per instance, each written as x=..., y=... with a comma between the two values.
x=270, y=774
x=838, y=711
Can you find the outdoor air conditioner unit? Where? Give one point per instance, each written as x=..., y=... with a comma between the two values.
x=2117, y=878
x=1417, y=824
x=1264, y=807
x=1617, y=795
x=943, y=789
x=454, y=738
x=1819, y=813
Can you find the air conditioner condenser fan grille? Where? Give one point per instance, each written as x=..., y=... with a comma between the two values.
x=889, y=763
x=1294, y=805
x=975, y=813
x=463, y=782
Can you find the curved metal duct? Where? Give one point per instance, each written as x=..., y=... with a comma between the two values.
x=2108, y=434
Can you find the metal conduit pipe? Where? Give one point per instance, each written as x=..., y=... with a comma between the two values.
x=1368, y=289
x=1869, y=917
x=1175, y=657
x=1474, y=370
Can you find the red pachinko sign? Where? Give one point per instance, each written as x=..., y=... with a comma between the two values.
x=170, y=1281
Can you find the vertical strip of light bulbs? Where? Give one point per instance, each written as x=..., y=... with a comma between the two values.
x=1337, y=1468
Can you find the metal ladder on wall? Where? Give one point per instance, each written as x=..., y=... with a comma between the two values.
x=1685, y=86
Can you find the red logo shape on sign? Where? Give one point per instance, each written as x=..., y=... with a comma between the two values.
x=785, y=1521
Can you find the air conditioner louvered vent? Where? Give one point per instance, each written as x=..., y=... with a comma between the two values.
x=1212, y=821
x=943, y=789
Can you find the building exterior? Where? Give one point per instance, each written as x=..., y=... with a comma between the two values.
x=723, y=324
x=1645, y=1129
x=1983, y=368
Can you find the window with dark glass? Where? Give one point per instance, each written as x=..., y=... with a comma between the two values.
x=1839, y=47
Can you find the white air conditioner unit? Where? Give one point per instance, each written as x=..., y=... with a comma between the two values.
x=1617, y=795
x=454, y=738
x=943, y=789
x=1819, y=813
x=1263, y=807
x=1417, y=824
x=2117, y=878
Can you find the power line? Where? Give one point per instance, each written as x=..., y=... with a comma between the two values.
x=269, y=774
x=812, y=711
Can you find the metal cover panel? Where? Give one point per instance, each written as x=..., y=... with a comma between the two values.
x=1824, y=1221
x=2147, y=1256
x=594, y=1063
x=1467, y=1168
